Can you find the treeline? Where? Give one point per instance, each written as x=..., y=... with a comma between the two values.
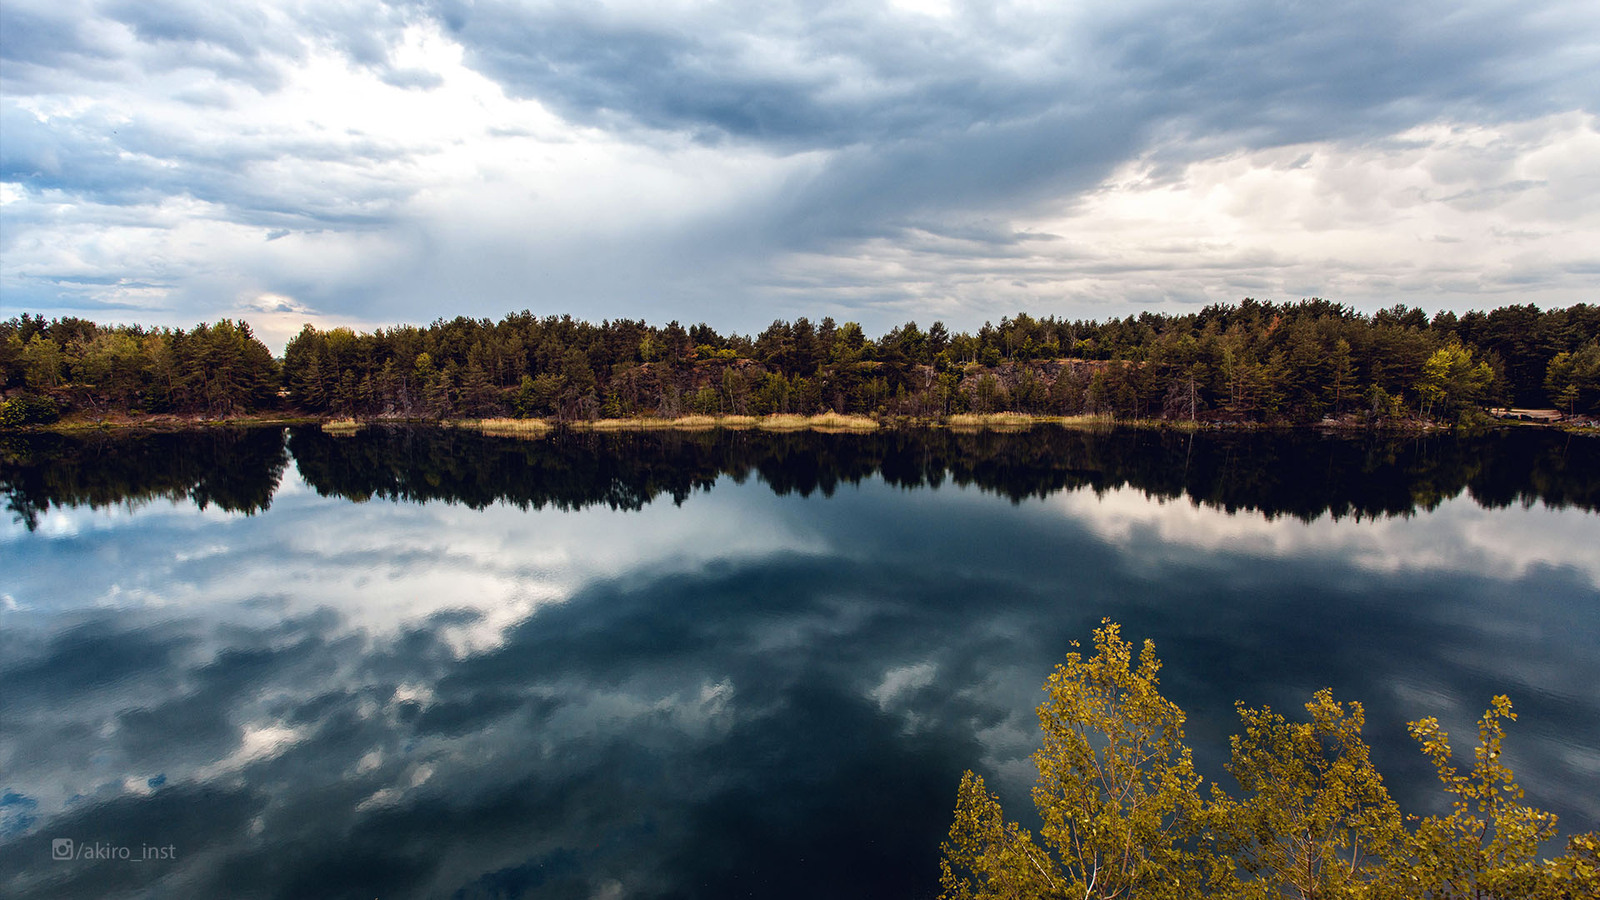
x=1372, y=475
x=1251, y=361
x=47, y=367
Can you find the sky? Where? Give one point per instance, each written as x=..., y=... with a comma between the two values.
x=364, y=163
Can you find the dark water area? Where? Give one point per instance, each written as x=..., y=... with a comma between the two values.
x=430, y=663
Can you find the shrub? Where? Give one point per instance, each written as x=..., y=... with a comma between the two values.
x=29, y=410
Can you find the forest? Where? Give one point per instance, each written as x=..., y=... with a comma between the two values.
x=1255, y=362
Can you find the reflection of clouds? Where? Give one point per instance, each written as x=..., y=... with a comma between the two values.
x=321, y=573
x=380, y=564
x=499, y=701
x=256, y=743
x=901, y=680
x=58, y=523
x=61, y=522
x=71, y=522
x=1458, y=536
x=1430, y=614
x=184, y=556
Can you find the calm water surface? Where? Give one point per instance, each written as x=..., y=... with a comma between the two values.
x=433, y=664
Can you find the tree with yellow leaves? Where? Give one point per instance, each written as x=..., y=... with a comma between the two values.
x=1315, y=819
x=1122, y=814
x=1488, y=846
x=1117, y=793
x=1453, y=381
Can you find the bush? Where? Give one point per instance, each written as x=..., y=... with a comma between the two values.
x=29, y=410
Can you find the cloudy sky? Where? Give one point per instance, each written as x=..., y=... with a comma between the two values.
x=366, y=163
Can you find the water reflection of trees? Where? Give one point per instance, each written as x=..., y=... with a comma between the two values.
x=1300, y=474
x=235, y=469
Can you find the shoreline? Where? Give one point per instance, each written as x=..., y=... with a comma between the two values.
x=827, y=423
x=833, y=423
x=165, y=423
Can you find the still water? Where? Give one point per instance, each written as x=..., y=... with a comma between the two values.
x=423, y=663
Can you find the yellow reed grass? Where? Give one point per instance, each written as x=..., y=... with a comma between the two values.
x=824, y=422
x=509, y=427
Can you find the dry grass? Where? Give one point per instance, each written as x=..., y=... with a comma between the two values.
x=1011, y=421
x=831, y=422
x=786, y=423
x=690, y=423
x=1090, y=421
x=1014, y=421
x=631, y=424
x=824, y=422
x=508, y=427
x=644, y=423
x=341, y=426
x=997, y=421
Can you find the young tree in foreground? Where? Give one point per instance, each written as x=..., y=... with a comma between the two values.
x=1489, y=844
x=1117, y=793
x=1315, y=819
x=1122, y=817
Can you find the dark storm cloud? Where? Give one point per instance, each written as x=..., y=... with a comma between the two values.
x=810, y=76
x=949, y=117
x=969, y=113
x=873, y=125
x=853, y=77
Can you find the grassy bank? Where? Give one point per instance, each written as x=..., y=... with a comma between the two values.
x=536, y=427
x=826, y=422
x=123, y=421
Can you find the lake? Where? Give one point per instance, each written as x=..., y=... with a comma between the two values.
x=430, y=663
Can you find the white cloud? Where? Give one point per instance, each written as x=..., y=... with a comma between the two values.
x=1458, y=536
x=1438, y=216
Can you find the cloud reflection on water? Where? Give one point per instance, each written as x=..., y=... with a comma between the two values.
x=747, y=692
x=1459, y=536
